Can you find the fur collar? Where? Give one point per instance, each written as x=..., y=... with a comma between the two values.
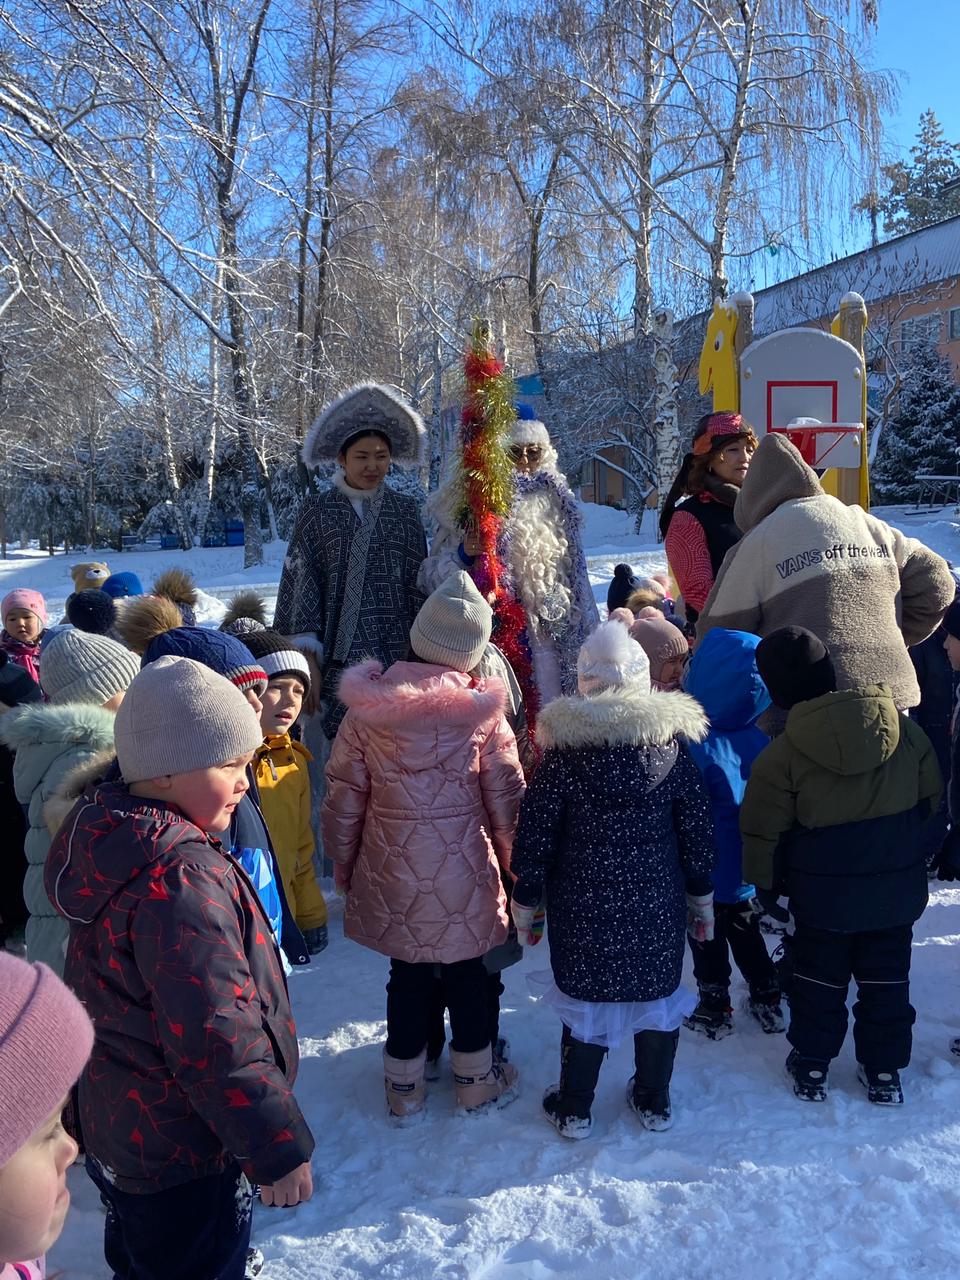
x=621, y=717
x=348, y=491
x=410, y=692
x=73, y=722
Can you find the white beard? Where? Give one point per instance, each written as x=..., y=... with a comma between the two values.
x=540, y=557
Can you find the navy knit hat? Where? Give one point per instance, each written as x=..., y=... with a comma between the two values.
x=795, y=666
x=222, y=653
x=92, y=611
x=278, y=656
x=622, y=587
x=951, y=620
x=120, y=585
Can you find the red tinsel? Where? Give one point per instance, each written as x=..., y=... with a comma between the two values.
x=487, y=483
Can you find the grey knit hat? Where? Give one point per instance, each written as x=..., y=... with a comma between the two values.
x=453, y=626
x=178, y=716
x=77, y=666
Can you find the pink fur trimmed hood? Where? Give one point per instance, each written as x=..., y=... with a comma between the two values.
x=411, y=692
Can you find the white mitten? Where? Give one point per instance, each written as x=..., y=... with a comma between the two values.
x=700, y=917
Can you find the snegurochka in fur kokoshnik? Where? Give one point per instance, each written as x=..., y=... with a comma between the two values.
x=349, y=584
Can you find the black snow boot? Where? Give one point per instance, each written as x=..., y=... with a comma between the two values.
x=883, y=1087
x=316, y=939
x=567, y=1104
x=773, y=917
x=648, y=1091
x=713, y=1016
x=809, y=1077
x=765, y=1007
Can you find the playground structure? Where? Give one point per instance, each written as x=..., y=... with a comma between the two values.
x=806, y=383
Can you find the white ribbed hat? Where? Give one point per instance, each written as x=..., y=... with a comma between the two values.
x=78, y=666
x=453, y=626
x=179, y=715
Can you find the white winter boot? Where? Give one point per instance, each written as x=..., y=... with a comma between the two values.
x=482, y=1081
x=405, y=1089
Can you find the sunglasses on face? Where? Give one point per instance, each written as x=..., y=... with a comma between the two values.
x=525, y=452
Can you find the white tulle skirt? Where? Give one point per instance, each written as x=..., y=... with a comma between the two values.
x=608, y=1022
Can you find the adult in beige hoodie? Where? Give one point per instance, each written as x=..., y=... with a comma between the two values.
x=807, y=559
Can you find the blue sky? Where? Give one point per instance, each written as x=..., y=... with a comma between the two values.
x=914, y=40
x=917, y=38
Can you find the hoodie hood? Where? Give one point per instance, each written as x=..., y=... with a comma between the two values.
x=777, y=474
x=427, y=709
x=111, y=838
x=849, y=733
x=724, y=679
x=621, y=717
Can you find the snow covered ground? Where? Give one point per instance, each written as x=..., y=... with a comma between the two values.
x=748, y=1182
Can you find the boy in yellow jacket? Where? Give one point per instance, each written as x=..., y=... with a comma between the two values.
x=280, y=765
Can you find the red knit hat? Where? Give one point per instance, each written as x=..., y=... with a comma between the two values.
x=718, y=424
x=45, y=1041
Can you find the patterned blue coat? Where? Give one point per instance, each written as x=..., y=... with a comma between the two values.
x=615, y=828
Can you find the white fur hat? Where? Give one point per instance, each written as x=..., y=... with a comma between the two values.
x=609, y=658
x=528, y=429
x=373, y=407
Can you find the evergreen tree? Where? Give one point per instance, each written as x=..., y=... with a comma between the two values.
x=916, y=196
x=925, y=434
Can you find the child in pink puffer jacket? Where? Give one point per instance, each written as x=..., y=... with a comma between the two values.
x=423, y=789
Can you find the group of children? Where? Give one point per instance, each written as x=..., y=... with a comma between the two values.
x=173, y=871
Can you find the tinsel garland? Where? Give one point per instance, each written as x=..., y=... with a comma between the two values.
x=486, y=487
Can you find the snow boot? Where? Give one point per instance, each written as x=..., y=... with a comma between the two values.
x=567, y=1104
x=765, y=1007
x=883, y=1087
x=567, y=1124
x=481, y=1082
x=403, y=1082
x=501, y=1049
x=648, y=1091
x=713, y=1016
x=808, y=1076
x=316, y=939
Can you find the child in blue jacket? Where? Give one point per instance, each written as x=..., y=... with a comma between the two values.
x=723, y=678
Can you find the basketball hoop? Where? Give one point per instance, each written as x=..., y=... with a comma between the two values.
x=826, y=444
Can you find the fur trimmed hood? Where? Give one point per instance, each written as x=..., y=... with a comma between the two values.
x=409, y=693
x=36, y=724
x=88, y=774
x=621, y=717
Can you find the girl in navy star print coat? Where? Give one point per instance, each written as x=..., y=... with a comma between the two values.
x=615, y=831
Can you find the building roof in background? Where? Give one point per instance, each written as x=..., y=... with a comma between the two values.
x=907, y=262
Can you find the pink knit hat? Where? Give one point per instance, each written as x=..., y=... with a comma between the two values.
x=45, y=1040
x=659, y=639
x=24, y=598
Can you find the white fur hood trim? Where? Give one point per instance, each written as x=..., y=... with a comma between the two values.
x=621, y=717
x=438, y=694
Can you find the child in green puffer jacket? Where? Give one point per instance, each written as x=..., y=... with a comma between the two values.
x=832, y=816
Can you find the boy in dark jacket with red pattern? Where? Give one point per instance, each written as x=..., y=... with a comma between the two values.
x=188, y=1093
